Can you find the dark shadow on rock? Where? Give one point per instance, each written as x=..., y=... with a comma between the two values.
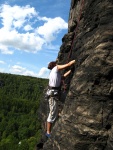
x=39, y=146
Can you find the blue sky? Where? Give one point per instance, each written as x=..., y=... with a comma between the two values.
x=31, y=34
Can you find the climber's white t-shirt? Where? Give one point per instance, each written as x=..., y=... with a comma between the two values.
x=54, y=77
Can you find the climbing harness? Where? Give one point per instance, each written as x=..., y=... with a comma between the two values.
x=51, y=92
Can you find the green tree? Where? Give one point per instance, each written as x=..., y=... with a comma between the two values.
x=19, y=100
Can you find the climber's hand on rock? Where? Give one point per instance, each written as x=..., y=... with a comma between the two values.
x=71, y=62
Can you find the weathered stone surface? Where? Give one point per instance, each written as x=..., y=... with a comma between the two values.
x=86, y=121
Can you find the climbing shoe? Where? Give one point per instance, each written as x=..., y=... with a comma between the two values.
x=48, y=135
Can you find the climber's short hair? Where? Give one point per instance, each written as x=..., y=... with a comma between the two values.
x=51, y=65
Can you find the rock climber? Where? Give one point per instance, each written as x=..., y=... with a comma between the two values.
x=53, y=91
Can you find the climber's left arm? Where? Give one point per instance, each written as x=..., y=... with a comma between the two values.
x=67, y=73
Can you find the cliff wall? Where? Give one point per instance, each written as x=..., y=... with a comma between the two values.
x=86, y=121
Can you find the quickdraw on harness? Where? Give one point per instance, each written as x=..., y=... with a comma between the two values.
x=64, y=85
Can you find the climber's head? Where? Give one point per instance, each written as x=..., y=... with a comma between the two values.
x=51, y=65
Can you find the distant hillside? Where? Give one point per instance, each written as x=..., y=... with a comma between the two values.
x=19, y=101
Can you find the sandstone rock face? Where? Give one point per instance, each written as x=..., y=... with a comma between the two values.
x=86, y=121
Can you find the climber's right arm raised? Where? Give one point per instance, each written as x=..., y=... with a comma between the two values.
x=60, y=67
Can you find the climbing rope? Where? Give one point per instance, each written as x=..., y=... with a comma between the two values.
x=78, y=21
x=70, y=52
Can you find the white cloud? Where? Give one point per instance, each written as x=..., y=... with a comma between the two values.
x=2, y=70
x=43, y=73
x=17, y=21
x=15, y=16
x=51, y=28
x=4, y=49
x=17, y=69
x=28, y=27
x=2, y=62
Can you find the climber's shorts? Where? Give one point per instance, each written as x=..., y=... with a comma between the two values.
x=53, y=109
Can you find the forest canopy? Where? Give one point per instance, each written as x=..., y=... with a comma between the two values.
x=20, y=97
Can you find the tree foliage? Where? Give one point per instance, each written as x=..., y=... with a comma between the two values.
x=19, y=101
